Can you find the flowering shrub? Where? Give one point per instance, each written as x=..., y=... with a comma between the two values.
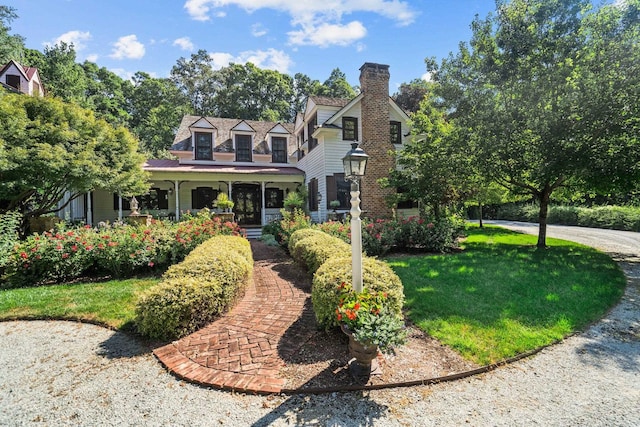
x=9, y=224
x=199, y=228
x=367, y=316
x=51, y=256
x=118, y=250
x=380, y=236
x=290, y=222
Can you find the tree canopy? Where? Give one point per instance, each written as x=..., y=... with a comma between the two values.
x=49, y=147
x=545, y=96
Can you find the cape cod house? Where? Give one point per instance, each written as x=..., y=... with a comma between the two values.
x=258, y=163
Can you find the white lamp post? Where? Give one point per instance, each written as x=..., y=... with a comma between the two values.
x=355, y=163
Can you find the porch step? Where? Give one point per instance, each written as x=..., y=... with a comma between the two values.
x=253, y=232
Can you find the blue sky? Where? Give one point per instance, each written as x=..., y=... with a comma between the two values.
x=308, y=36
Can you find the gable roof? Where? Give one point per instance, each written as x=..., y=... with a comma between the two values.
x=330, y=102
x=27, y=72
x=182, y=141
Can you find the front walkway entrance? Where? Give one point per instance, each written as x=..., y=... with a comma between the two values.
x=247, y=204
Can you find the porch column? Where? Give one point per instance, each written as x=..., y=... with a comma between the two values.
x=263, y=210
x=89, y=209
x=176, y=190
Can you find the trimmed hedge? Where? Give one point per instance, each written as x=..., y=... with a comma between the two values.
x=196, y=291
x=609, y=217
x=314, y=249
x=376, y=276
x=303, y=233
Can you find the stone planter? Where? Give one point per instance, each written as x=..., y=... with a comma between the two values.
x=41, y=224
x=225, y=216
x=364, y=360
x=139, y=220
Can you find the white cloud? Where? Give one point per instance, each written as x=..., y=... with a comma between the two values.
x=92, y=57
x=270, y=59
x=127, y=47
x=75, y=37
x=308, y=17
x=127, y=75
x=325, y=35
x=185, y=43
x=427, y=77
x=257, y=30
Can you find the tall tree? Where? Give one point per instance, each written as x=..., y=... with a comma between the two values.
x=432, y=168
x=11, y=45
x=156, y=106
x=336, y=86
x=410, y=95
x=106, y=93
x=198, y=81
x=62, y=75
x=547, y=98
x=251, y=93
x=49, y=147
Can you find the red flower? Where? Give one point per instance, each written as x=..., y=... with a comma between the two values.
x=356, y=306
x=74, y=248
x=65, y=255
x=151, y=264
x=24, y=255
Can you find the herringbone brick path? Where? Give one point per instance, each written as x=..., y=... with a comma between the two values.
x=244, y=349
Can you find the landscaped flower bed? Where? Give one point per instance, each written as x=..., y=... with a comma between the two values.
x=118, y=250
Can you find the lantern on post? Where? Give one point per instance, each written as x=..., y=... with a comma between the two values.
x=355, y=164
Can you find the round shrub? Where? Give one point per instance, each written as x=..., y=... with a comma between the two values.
x=376, y=276
x=315, y=249
x=303, y=233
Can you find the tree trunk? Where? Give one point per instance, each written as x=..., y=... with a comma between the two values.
x=480, y=209
x=542, y=217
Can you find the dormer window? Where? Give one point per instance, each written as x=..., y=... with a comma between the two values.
x=203, y=146
x=243, y=148
x=349, y=129
x=278, y=149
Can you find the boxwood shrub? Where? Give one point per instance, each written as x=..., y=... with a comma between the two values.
x=312, y=251
x=376, y=276
x=196, y=291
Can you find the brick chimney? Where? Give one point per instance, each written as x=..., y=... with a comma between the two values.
x=376, y=138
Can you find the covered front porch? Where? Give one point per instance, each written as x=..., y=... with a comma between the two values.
x=257, y=192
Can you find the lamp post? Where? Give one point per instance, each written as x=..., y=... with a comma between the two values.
x=355, y=163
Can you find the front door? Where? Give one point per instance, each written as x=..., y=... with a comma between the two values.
x=247, y=204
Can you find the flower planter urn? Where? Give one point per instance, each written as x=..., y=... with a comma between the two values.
x=364, y=360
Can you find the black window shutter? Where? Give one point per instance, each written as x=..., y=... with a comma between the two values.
x=194, y=199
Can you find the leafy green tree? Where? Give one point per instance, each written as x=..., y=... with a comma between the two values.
x=106, y=93
x=248, y=92
x=198, y=81
x=336, y=86
x=11, y=45
x=62, y=75
x=546, y=94
x=49, y=147
x=156, y=106
x=410, y=95
x=432, y=168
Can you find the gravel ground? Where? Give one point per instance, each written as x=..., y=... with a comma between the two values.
x=64, y=373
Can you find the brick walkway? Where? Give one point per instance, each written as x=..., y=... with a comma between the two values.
x=244, y=350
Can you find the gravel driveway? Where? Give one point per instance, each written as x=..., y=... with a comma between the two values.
x=63, y=373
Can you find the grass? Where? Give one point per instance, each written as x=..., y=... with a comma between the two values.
x=501, y=296
x=110, y=303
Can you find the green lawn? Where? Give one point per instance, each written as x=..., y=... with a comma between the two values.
x=109, y=303
x=501, y=296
